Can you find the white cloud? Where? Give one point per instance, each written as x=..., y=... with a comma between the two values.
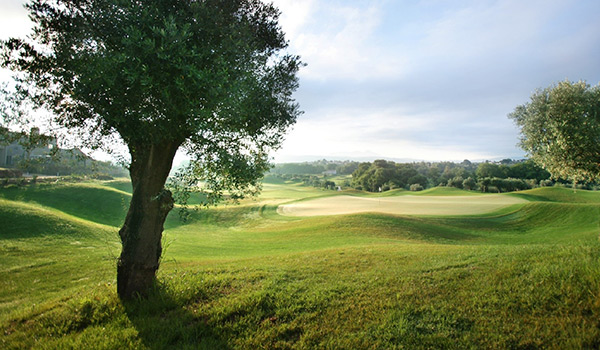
x=294, y=15
x=337, y=40
x=380, y=133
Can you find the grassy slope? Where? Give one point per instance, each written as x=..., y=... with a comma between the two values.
x=244, y=277
x=46, y=254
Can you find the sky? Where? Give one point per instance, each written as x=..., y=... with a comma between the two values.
x=419, y=80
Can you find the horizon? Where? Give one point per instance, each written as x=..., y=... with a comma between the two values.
x=316, y=159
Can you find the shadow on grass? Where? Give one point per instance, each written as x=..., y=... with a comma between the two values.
x=162, y=322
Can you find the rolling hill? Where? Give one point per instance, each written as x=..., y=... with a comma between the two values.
x=526, y=275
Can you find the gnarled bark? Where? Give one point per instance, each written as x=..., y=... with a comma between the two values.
x=142, y=231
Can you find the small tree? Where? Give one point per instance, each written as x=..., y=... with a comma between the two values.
x=490, y=170
x=206, y=76
x=484, y=184
x=469, y=184
x=560, y=130
x=416, y=187
x=456, y=182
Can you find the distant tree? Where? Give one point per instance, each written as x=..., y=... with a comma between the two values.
x=560, y=130
x=491, y=170
x=528, y=170
x=469, y=184
x=331, y=166
x=330, y=185
x=405, y=174
x=206, y=76
x=385, y=175
x=456, y=182
x=418, y=179
x=484, y=183
x=433, y=174
x=347, y=168
x=452, y=170
x=379, y=176
x=498, y=183
x=509, y=185
x=416, y=187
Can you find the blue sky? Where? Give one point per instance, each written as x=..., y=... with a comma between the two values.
x=429, y=79
x=423, y=80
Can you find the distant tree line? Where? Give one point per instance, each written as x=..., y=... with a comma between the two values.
x=318, y=181
x=315, y=168
x=504, y=176
x=381, y=175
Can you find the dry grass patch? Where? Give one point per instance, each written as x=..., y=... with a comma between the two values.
x=401, y=205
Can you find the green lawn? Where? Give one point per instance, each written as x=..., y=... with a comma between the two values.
x=400, y=205
x=525, y=276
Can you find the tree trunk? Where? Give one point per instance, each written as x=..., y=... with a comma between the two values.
x=142, y=231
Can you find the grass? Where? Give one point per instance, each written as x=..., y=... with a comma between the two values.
x=400, y=205
x=243, y=277
x=46, y=253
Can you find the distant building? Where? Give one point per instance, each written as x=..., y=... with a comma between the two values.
x=330, y=172
x=15, y=148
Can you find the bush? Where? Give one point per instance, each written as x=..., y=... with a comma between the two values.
x=469, y=184
x=102, y=177
x=416, y=187
x=10, y=173
x=330, y=185
x=532, y=183
x=456, y=182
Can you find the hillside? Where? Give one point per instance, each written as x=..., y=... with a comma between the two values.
x=237, y=277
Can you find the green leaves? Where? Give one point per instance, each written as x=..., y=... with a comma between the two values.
x=210, y=75
x=161, y=69
x=560, y=129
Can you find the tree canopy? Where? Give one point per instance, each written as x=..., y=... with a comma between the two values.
x=205, y=74
x=560, y=130
x=381, y=173
x=208, y=76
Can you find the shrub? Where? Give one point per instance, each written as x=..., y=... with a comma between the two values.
x=10, y=173
x=102, y=177
x=416, y=187
x=469, y=184
x=456, y=182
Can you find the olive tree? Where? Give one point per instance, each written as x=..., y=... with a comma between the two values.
x=560, y=130
x=210, y=77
